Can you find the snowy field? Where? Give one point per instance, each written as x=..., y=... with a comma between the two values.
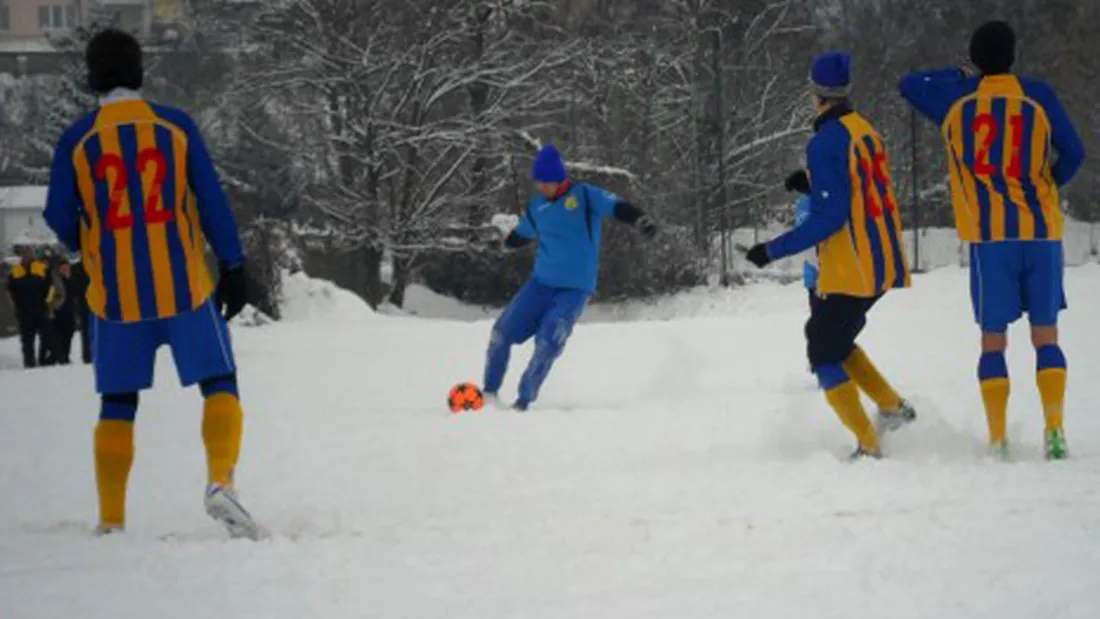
x=681, y=468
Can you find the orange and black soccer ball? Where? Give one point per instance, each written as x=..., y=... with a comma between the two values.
x=465, y=397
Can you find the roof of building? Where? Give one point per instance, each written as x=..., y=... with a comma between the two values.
x=24, y=197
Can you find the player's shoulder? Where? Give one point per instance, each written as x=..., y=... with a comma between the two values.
x=76, y=132
x=174, y=116
x=590, y=190
x=1037, y=89
x=830, y=135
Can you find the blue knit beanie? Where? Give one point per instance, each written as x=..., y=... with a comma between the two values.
x=831, y=75
x=548, y=166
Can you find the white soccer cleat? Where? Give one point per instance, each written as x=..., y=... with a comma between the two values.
x=891, y=421
x=222, y=505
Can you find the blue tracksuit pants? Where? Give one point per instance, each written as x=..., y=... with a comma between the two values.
x=545, y=313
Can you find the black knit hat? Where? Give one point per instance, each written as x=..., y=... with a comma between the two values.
x=993, y=48
x=114, y=61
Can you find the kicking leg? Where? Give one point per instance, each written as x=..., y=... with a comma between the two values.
x=515, y=325
x=830, y=335
x=553, y=331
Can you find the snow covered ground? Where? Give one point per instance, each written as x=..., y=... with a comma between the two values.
x=675, y=468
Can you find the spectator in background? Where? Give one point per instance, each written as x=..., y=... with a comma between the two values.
x=77, y=288
x=64, y=314
x=28, y=287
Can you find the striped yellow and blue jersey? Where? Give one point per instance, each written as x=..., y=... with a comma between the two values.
x=1010, y=146
x=854, y=219
x=133, y=187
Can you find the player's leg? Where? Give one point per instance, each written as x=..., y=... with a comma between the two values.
x=27, y=334
x=894, y=411
x=63, y=339
x=995, y=270
x=114, y=456
x=1045, y=298
x=830, y=336
x=553, y=331
x=515, y=325
x=203, y=352
x=85, y=335
x=124, y=360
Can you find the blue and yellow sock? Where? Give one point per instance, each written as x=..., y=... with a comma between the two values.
x=1051, y=377
x=993, y=374
x=222, y=427
x=114, y=456
x=843, y=395
x=863, y=371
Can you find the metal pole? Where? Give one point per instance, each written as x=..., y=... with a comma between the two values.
x=914, y=183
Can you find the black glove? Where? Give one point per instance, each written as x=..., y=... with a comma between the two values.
x=646, y=226
x=758, y=255
x=232, y=291
x=799, y=182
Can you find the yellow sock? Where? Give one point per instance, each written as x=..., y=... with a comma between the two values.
x=222, y=422
x=995, y=395
x=1052, y=390
x=114, y=455
x=866, y=375
x=844, y=399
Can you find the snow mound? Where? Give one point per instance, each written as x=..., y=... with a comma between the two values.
x=306, y=298
x=423, y=302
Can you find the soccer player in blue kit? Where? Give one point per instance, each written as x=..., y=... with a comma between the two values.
x=565, y=218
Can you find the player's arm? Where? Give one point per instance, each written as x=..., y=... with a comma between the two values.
x=517, y=234
x=830, y=195
x=214, y=213
x=63, y=205
x=608, y=204
x=932, y=93
x=1066, y=140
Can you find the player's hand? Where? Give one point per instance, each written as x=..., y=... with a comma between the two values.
x=232, y=291
x=798, y=181
x=504, y=223
x=647, y=226
x=758, y=255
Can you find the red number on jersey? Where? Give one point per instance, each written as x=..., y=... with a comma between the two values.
x=153, y=207
x=116, y=220
x=986, y=131
x=876, y=173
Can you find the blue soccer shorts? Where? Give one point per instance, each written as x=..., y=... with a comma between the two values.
x=1011, y=278
x=124, y=353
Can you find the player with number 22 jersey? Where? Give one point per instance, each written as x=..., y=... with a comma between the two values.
x=133, y=188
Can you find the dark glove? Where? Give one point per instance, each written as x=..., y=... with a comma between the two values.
x=758, y=255
x=232, y=291
x=798, y=181
x=647, y=226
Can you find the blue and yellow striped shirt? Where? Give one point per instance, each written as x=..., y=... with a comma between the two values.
x=1002, y=133
x=854, y=219
x=133, y=188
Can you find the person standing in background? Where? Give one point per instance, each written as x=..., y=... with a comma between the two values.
x=64, y=314
x=28, y=288
x=78, y=283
